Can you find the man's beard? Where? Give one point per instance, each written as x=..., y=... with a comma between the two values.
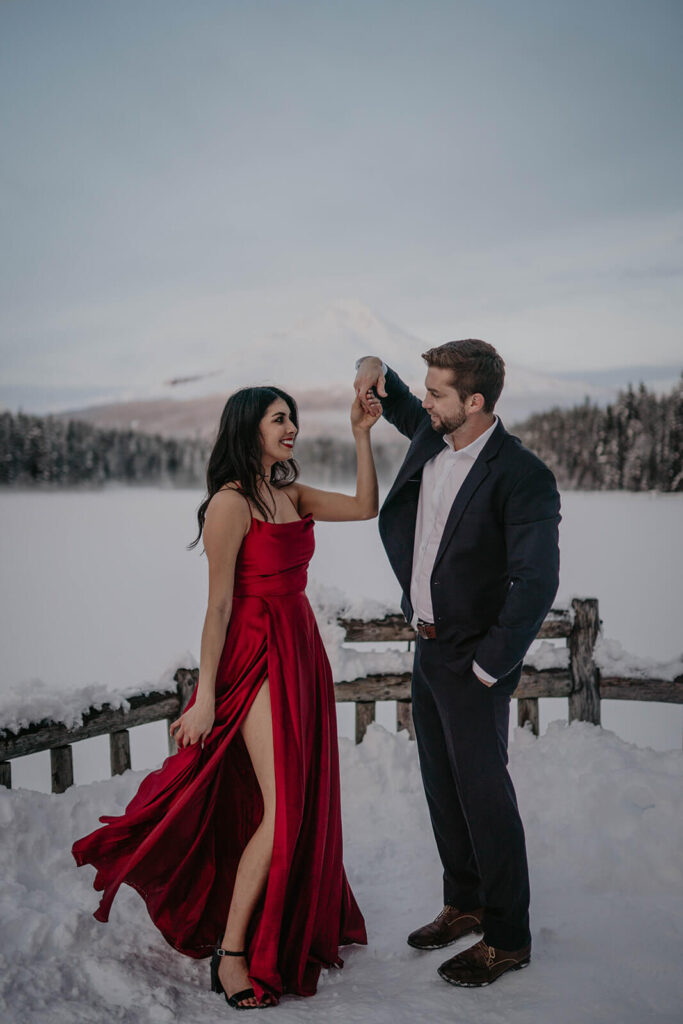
x=444, y=426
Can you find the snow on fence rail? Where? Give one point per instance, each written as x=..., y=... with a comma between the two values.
x=575, y=676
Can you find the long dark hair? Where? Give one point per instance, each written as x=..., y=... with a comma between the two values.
x=236, y=454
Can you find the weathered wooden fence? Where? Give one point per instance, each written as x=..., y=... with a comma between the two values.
x=580, y=682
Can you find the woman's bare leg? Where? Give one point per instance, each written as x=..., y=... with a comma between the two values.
x=252, y=871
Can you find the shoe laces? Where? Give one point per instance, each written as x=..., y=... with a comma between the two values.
x=490, y=955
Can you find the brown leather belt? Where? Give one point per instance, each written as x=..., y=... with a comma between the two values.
x=427, y=630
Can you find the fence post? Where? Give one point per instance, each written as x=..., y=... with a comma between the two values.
x=119, y=751
x=365, y=714
x=527, y=711
x=584, y=700
x=404, y=717
x=6, y=774
x=62, y=764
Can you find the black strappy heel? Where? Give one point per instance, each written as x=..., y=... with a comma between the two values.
x=216, y=986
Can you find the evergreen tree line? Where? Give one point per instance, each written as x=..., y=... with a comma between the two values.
x=635, y=444
x=36, y=450
x=46, y=450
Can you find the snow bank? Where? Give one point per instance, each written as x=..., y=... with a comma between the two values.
x=544, y=654
x=329, y=604
x=604, y=829
x=613, y=660
x=610, y=657
x=35, y=701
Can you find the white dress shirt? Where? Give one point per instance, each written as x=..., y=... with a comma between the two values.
x=442, y=478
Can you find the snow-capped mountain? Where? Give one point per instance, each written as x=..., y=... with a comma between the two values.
x=314, y=359
x=316, y=352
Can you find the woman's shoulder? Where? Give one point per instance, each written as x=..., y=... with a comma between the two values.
x=228, y=502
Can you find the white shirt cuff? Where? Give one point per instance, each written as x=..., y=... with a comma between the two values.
x=478, y=671
x=384, y=365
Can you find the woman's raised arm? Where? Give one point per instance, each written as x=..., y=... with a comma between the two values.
x=330, y=506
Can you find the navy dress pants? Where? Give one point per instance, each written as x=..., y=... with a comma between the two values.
x=461, y=727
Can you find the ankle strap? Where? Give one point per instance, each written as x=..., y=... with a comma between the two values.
x=229, y=952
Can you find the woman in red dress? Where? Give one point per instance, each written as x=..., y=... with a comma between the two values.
x=237, y=837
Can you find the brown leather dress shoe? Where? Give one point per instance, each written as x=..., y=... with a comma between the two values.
x=481, y=964
x=448, y=926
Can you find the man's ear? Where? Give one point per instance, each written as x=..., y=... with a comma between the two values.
x=475, y=403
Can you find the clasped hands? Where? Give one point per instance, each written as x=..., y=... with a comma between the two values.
x=368, y=376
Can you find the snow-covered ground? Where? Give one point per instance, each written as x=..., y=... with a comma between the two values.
x=604, y=824
x=99, y=592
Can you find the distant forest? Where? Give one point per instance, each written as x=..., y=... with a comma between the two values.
x=44, y=450
x=635, y=444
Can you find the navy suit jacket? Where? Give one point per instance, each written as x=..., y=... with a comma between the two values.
x=497, y=568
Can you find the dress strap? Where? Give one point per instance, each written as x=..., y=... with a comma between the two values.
x=293, y=505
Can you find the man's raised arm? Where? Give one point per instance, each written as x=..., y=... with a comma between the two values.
x=399, y=405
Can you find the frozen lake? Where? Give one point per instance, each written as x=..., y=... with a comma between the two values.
x=98, y=586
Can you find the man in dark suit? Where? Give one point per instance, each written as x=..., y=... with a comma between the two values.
x=470, y=527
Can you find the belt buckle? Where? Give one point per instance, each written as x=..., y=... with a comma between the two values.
x=425, y=630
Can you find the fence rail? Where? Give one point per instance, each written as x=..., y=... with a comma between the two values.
x=580, y=683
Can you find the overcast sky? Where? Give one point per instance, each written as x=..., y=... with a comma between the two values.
x=182, y=177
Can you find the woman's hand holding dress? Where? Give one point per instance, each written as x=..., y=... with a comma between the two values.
x=194, y=725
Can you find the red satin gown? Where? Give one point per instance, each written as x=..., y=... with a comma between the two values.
x=181, y=836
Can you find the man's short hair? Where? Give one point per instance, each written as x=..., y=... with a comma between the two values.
x=477, y=368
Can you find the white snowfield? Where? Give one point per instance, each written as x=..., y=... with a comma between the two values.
x=604, y=823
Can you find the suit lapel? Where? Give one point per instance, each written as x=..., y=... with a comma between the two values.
x=474, y=479
x=420, y=453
